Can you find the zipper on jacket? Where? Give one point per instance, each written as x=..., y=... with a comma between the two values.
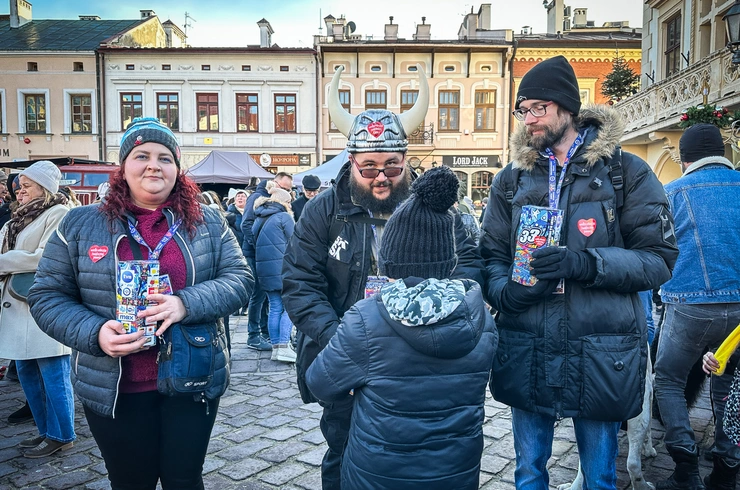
x=77, y=362
x=120, y=363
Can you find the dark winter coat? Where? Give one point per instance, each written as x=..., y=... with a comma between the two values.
x=418, y=359
x=298, y=206
x=72, y=296
x=273, y=227
x=248, y=218
x=319, y=286
x=582, y=353
x=236, y=225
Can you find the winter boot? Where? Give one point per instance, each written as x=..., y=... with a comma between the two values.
x=723, y=475
x=686, y=475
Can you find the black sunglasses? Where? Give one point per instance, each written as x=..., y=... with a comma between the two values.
x=371, y=173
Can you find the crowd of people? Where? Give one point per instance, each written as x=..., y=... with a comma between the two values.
x=405, y=308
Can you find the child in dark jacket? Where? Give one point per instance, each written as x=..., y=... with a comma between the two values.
x=417, y=356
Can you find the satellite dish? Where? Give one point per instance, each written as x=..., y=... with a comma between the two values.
x=351, y=26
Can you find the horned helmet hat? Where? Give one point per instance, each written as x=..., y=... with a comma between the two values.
x=378, y=130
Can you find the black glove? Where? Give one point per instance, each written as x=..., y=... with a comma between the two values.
x=559, y=262
x=516, y=298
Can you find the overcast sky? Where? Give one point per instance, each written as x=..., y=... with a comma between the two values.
x=234, y=22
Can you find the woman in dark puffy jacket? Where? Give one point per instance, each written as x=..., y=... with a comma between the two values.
x=150, y=211
x=272, y=229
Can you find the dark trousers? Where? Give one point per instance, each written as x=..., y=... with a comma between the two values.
x=257, y=309
x=154, y=437
x=334, y=425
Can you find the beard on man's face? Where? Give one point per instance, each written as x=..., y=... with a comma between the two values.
x=362, y=193
x=551, y=137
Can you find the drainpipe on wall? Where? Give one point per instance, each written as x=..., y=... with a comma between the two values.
x=100, y=81
x=512, y=97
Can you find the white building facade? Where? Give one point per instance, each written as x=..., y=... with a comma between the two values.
x=261, y=100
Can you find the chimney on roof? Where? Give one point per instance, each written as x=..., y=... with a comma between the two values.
x=555, y=16
x=423, y=31
x=484, y=17
x=580, y=17
x=329, y=21
x=145, y=14
x=391, y=30
x=265, y=33
x=89, y=17
x=20, y=13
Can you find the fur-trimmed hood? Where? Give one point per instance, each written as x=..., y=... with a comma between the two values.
x=606, y=129
x=262, y=200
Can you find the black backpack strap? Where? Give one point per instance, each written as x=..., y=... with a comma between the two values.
x=511, y=183
x=135, y=249
x=339, y=220
x=617, y=176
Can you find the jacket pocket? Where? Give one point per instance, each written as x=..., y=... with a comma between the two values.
x=613, y=377
x=512, y=371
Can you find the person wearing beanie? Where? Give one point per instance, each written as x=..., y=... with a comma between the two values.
x=311, y=188
x=702, y=292
x=403, y=350
x=612, y=237
x=332, y=259
x=42, y=363
x=272, y=229
x=79, y=298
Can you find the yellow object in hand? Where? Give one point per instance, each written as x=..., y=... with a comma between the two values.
x=726, y=350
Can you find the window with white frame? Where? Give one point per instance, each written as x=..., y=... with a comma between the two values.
x=81, y=113
x=32, y=111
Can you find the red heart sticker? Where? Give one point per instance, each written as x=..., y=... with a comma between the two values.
x=587, y=226
x=97, y=252
x=375, y=128
x=539, y=241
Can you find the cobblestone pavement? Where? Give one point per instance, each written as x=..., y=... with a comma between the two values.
x=266, y=438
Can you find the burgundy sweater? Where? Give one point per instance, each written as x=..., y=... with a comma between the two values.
x=140, y=369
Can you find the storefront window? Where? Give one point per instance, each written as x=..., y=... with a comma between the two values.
x=481, y=187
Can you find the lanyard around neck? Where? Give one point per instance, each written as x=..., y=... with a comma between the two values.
x=153, y=254
x=555, y=185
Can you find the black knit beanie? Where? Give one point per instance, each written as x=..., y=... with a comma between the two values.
x=148, y=130
x=700, y=141
x=419, y=238
x=551, y=80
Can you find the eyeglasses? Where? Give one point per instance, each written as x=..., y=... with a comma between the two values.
x=371, y=173
x=537, y=111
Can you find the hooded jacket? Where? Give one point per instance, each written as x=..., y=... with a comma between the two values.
x=418, y=357
x=248, y=219
x=74, y=293
x=322, y=279
x=273, y=227
x=582, y=353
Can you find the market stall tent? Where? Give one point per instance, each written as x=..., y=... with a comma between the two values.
x=227, y=167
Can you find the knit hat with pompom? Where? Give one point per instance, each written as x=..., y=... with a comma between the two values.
x=419, y=238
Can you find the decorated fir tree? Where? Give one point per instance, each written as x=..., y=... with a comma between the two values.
x=621, y=82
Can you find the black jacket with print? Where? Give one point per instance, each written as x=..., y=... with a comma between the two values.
x=582, y=353
x=322, y=280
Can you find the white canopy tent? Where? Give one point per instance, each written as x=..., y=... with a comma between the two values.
x=327, y=171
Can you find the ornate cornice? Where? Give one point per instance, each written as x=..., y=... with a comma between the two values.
x=576, y=54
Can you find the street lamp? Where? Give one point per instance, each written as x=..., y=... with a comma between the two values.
x=732, y=22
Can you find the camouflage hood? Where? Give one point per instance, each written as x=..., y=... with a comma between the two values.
x=436, y=317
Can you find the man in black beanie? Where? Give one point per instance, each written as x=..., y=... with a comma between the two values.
x=560, y=354
x=311, y=188
x=702, y=301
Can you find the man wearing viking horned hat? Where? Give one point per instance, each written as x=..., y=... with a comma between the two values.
x=331, y=260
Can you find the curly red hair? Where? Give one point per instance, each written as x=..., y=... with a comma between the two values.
x=183, y=200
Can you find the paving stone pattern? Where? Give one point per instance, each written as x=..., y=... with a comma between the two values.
x=266, y=438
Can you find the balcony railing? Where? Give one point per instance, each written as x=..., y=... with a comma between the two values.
x=663, y=102
x=424, y=135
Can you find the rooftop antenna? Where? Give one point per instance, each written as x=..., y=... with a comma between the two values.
x=321, y=19
x=187, y=24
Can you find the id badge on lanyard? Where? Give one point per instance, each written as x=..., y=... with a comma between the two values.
x=555, y=187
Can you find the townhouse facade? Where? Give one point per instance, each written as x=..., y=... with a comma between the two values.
x=685, y=63
x=258, y=99
x=48, y=85
x=467, y=124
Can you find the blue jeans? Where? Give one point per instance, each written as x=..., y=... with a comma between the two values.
x=597, y=450
x=256, y=324
x=48, y=389
x=686, y=332
x=278, y=322
x=647, y=302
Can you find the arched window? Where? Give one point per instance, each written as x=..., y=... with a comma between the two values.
x=481, y=187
